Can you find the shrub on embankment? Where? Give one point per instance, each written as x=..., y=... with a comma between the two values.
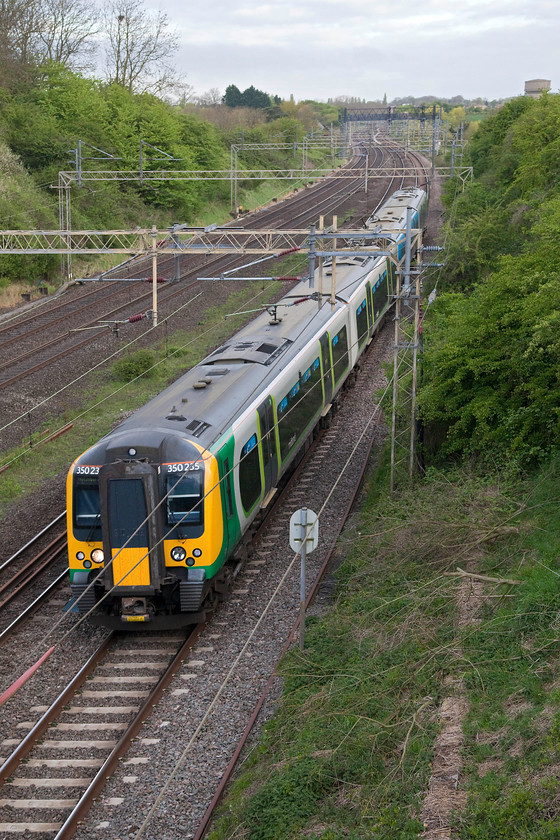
x=490, y=384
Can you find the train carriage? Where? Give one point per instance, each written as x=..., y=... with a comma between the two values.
x=158, y=507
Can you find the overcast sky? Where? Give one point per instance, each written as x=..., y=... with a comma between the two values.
x=316, y=49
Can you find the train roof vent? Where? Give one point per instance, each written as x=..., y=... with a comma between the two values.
x=256, y=350
x=197, y=427
x=220, y=349
x=175, y=415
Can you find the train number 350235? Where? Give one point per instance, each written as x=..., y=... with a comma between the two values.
x=178, y=468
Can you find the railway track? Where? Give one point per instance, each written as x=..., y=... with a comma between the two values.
x=44, y=556
x=98, y=713
x=213, y=703
x=48, y=795
x=42, y=366
x=67, y=319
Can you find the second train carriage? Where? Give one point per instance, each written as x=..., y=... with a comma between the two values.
x=156, y=508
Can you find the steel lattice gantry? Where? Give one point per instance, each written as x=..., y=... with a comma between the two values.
x=388, y=113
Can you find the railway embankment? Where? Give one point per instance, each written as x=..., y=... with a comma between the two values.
x=425, y=703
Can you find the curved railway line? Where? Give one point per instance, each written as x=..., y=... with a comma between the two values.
x=34, y=358
x=194, y=726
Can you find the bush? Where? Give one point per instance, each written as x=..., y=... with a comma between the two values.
x=140, y=363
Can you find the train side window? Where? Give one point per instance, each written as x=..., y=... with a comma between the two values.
x=380, y=294
x=299, y=407
x=340, y=353
x=361, y=321
x=250, y=483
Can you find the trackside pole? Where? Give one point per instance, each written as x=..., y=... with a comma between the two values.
x=154, y=275
x=304, y=536
x=302, y=582
x=333, y=264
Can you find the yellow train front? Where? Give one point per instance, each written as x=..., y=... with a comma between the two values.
x=139, y=546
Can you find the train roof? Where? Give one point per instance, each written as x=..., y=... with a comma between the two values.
x=203, y=403
x=195, y=405
x=391, y=216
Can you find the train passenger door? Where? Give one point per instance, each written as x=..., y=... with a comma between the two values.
x=128, y=495
x=370, y=307
x=327, y=369
x=268, y=438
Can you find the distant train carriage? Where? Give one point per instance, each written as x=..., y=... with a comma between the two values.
x=157, y=508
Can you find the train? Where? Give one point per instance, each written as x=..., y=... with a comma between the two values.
x=161, y=509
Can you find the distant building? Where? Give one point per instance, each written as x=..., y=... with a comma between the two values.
x=535, y=87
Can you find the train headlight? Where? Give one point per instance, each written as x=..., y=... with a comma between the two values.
x=190, y=561
x=97, y=555
x=178, y=553
x=197, y=552
x=80, y=555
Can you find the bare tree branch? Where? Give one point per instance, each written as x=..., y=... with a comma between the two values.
x=66, y=33
x=19, y=21
x=140, y=48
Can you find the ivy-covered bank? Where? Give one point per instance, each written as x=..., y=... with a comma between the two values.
x=491, y=341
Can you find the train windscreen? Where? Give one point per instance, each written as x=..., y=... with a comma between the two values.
x=185, y=499
x=87, y=513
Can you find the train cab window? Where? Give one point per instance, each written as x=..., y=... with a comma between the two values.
x=250, y=483
x=185, y=499
x=87, y=513
x=340, y=353
x=362, y=321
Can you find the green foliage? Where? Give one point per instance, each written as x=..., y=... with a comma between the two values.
x=489, y=143
x=46, y=120
x=491, y=366
x=23, y=206
x=491, y=369
x=530, y=811
x=288, y=801
x=249, y=98
x=139, y=363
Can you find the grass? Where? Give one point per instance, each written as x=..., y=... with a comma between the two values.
x=348, y=753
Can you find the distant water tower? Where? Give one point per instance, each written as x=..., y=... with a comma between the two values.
x=535, y=87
